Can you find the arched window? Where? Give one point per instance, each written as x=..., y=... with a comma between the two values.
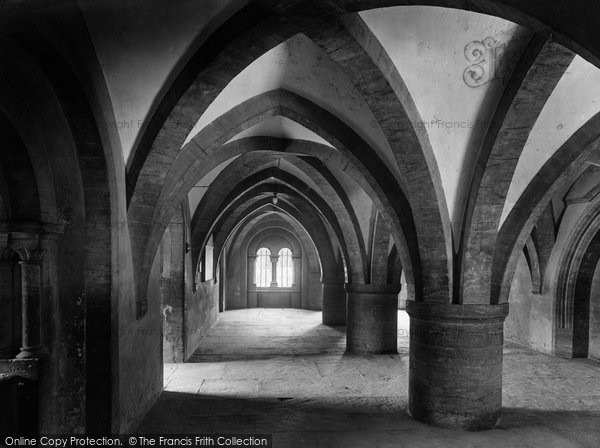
x=263, y=271
x=285, y=268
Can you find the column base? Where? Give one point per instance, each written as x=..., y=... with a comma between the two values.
x=334, y=303
x=32, y=353
x=372, y=319
x=455, y=374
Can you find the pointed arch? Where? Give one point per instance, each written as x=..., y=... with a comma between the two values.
x=205, y=217
x=565, y=165
x=352, y=155
x=534, y=78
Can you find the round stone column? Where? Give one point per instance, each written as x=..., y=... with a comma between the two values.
x=30, y=299
x=455, y=373
x=372, y=319
x=334, y=302
x=274, y=259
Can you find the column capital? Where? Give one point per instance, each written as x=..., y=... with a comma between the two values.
x=27, y=238
x=44, y=229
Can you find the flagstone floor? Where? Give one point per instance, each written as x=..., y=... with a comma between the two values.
x=281, y=372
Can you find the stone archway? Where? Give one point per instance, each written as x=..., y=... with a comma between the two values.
x=273, y=295
x=42, y=95
x=574, y=287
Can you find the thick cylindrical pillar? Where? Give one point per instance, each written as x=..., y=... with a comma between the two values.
x=372, y=319
x=30, y=299
x=334, y=302
x=455, y=374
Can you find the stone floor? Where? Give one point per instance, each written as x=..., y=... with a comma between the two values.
x=279, y=371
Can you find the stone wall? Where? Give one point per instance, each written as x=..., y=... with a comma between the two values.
x=529, y=322
x=138, y=353
x=202, y=312
x=594, y=348
x=240, y=290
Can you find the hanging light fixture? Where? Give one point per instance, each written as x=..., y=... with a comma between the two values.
x=275, y=199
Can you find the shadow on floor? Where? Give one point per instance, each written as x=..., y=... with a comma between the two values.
x=357, y=421
x=260, y=371
x=216, y=358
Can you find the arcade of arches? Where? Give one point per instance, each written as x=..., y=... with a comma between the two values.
x=162, y=165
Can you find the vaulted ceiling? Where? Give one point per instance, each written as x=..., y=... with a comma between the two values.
x=141, y=50
x=438, y=117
